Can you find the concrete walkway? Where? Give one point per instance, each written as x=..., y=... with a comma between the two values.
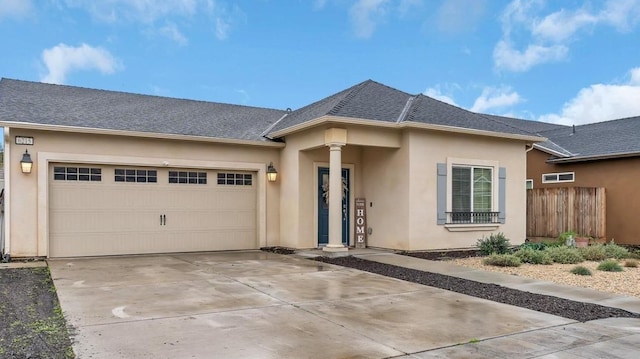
x=263, y=305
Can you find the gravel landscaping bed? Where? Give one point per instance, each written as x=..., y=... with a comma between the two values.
x=626, y=282
x=542, y=303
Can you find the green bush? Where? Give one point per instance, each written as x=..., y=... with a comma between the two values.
x=615, y=251
x=580, y=270
x=562, y=238
x=610, y=265
x=537, y=246
x=495, y=243
x=631, y=263
x=564, y=255
x=595, y=252
x=502, y=260
x=529, y=255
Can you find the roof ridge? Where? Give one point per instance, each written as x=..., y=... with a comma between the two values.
x=490, y=118
x=351, y=94
x=406, y=109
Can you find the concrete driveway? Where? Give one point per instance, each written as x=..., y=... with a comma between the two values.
x=264, y=305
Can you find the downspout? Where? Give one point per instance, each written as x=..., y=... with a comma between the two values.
x=6, y=222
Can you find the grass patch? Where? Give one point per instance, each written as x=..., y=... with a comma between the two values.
x=565, y=255
x=533, y=256
x=580, y=270
x=610, y=265
x=502, y=260
x=595, y=252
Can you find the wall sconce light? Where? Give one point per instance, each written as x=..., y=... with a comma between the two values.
x=26, y=163
x=272, y=174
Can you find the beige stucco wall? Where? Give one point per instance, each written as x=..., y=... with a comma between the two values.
x=399, y=182
x=394, y=169
x=28, y=192
x=429, y=148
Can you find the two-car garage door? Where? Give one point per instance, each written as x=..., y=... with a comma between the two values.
x=109, y=210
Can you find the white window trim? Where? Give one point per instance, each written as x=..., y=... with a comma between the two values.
x=527, y=183
x=465, y=162
x=558, y=174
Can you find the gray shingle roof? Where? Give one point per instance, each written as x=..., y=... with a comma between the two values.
x=609, y=138
x=425, y=109
x=527, y=125
x=367, y=100
x=39, y=103
x=371, y=100
x=538, y=128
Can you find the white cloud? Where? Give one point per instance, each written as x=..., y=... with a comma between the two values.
x=507, y=58
x=145, y=11
x=492, y=98
x=222, y=28
x=365, y=15
x=550, y=35
x=621, y=14
x=562, y=24
x=62, y=59
x=171, y=31
x=601, y=102
x=436, y=93
x=449, y=19
x=15, y=8
x=149, y=12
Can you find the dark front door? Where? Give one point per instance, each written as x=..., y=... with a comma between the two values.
x=323, y=206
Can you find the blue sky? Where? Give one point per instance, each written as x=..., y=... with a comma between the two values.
x=570, y=62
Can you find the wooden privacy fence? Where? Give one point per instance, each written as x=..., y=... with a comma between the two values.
x=551, y=211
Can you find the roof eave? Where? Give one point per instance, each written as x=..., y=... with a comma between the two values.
x=550, y=151
x=404, y=124
x=168, y=136
x=471, y=131
x=594, y=157
x=330, y=119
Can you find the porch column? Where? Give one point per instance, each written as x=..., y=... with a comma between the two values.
x=335, y=138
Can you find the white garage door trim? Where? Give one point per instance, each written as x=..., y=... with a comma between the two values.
x=45, y=158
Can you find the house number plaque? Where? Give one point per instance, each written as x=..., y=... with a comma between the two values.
x=361, y=223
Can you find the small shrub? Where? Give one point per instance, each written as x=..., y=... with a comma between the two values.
x=631, y=263
x=564, y=255
x=595, y=252
x=502, y=260
x=615, y=251
x=580, y=270
x=564, y=236
x=495, y=243
x=536, y=246
x=610, y=265
x=532, y=256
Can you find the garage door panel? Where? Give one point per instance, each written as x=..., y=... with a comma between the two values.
x=111, y=218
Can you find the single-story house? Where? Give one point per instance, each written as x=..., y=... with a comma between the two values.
x=604, y=154
x=118, y=173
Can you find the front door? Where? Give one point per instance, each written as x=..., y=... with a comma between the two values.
x=323, y=206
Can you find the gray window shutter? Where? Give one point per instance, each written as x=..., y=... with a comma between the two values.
x=502, y=193
x=442, y=193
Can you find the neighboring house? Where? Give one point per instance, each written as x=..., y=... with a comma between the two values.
x=604, y=154
x=120, y=173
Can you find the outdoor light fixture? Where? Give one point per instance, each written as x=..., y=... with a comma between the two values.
x=272, y=174
x=26, y=163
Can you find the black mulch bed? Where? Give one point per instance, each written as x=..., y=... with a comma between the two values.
x=31, y=322
x=570, y=309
